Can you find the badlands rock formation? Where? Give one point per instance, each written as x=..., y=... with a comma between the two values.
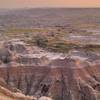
x=7, y=93
x=36, y=72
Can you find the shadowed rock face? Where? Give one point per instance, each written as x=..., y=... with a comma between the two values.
x=5, y=55
x=65, y=78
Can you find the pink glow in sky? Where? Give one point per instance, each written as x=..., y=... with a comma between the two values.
x=48, y=3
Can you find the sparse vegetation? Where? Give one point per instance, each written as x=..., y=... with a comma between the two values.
x=40, y=41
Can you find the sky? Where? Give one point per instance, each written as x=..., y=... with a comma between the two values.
x=48, y=3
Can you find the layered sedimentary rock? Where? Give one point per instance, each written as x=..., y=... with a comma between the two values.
x=62, y=77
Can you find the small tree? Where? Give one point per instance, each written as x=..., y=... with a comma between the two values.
x=41, y=41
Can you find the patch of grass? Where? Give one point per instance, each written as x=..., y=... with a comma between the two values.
x=62, y=47
x=91, y=47
x=41, y=41
x=42, y=38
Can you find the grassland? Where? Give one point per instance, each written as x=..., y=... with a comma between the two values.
x=51, y=28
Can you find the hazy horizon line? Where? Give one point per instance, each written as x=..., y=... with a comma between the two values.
x=50, y=8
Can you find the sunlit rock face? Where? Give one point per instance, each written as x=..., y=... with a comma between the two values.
x=21, y=53
x=77, y=83
x=37, y=72
x=44, y=98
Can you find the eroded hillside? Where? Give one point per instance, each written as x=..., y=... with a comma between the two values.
x=61, y=76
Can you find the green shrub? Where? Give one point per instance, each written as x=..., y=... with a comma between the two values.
x=41, y=41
